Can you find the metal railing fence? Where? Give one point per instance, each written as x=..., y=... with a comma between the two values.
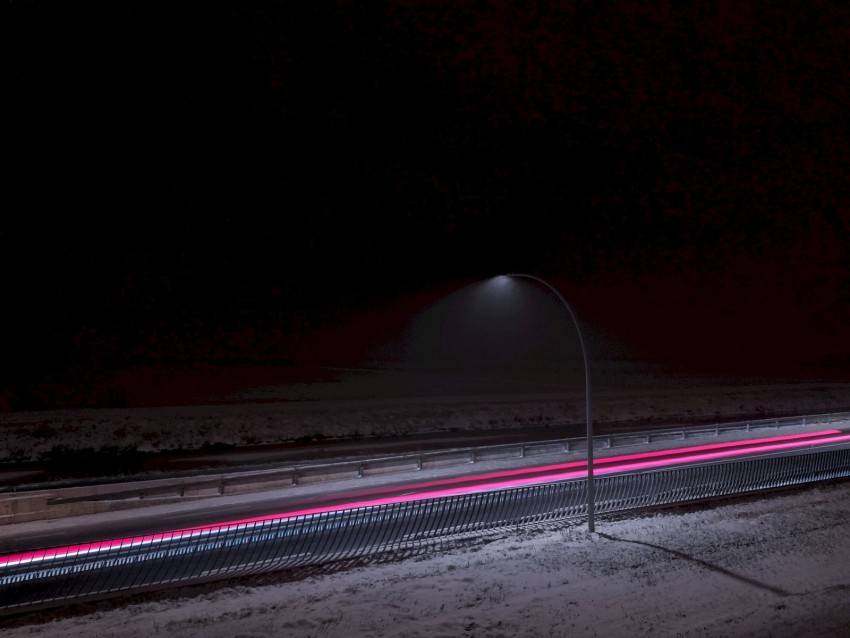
x=168, y=559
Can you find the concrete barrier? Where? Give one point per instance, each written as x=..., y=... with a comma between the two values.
x=23, y=504
x=545, y=448
x=257, y=482
x=442, y=459
x=498, y=453
x=391, y=466
x=321, y=474
x=214, y=488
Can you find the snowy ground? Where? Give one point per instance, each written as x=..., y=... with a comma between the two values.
x=771, y=566
x=385, y=404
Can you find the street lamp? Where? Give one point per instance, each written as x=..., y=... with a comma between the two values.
x=591, y=489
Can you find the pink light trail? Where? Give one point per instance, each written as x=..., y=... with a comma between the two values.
x=499, y=480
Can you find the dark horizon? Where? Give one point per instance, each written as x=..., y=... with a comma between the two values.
x=200, y=188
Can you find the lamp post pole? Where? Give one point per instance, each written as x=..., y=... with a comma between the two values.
x=591, y=488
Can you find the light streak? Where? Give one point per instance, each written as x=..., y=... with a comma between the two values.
x=499, y=480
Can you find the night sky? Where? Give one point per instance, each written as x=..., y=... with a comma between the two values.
x=192, y=185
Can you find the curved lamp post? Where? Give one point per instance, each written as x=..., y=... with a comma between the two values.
x=591, y=489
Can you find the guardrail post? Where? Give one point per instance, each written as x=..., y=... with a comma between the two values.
x=522, y=451
x=419, y=462
x=295, y=477
x=567, y=445
x=360, y=470
x=472, y=456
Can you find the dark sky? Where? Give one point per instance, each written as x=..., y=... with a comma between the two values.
x=188, y=184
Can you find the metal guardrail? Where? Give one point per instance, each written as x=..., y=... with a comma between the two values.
x=176, y=558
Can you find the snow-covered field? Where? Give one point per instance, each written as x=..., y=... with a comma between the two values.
x=388, y=404
x=772, y=566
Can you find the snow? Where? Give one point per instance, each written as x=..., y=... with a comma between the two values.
x=770, y=566
x=375, y=404
x=774, y=565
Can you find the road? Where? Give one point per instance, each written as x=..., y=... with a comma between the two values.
x=326, y=499
x=352, y=523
